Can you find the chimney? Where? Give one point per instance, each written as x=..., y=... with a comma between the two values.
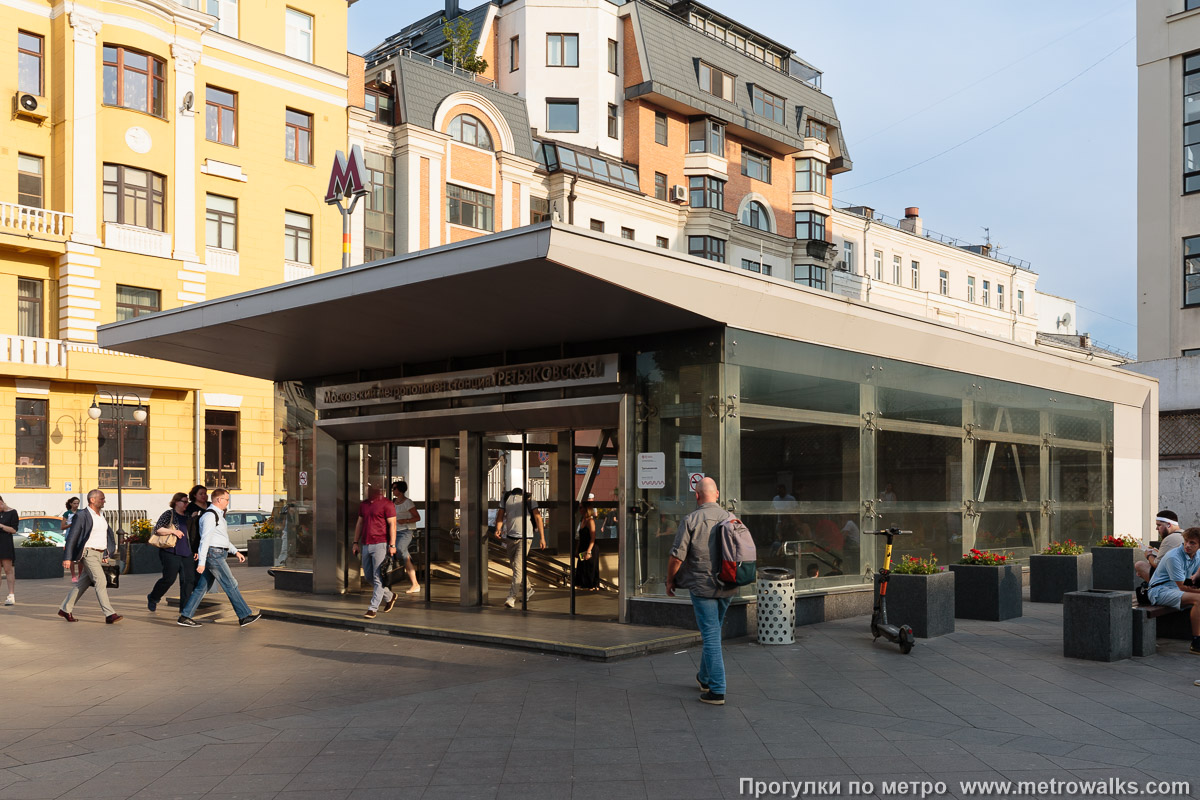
x=452, y=11
x=912, y=220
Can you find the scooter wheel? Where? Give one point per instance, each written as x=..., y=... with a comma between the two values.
x=874, y=631
x=907, y=640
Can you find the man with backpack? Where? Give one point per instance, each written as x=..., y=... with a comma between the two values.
x=214, y=548
x=516, y=520
x=693, y=566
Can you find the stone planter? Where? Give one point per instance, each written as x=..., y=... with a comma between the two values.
x=142, y=559
x=1112, y=568
x=263, y=552
x=1098, y=625
x=1050, y=577
x=32, y=563
x=987, y=592
x=923, y=602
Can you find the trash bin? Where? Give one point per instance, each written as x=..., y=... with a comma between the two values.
x=776, y=606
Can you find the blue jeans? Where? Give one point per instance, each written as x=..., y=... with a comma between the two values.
x=710, y=616
x=372, y=559
x=215, y=569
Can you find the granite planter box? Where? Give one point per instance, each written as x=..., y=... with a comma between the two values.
x=1112, y=568
x=38, y=562
x=1050, y=577
x=142, y=559
x=263, y=552
x=1098, y=625
x=923, y=602
x=991, y=592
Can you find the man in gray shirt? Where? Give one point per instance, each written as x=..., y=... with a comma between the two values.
x=691, y=567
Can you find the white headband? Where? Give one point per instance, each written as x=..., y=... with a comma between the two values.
x=1166, y=520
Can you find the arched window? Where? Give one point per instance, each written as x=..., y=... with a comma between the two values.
x=756, y=215
x=469, y=130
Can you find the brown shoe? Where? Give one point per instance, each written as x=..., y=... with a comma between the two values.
x=111, y=618
x=370, y=614
x=388, y=605
x=66, y=616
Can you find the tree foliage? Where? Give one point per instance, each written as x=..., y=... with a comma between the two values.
x=460, y=47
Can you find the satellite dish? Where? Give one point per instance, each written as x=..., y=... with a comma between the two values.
x=188, y=100
x=1065, y=320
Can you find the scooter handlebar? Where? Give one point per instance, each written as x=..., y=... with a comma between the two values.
x=890, y=532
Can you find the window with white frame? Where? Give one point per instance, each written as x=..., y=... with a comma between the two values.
x=970, y=288
x=896, y=267
x=943, y=282
x=1000, y=296
x=848, y=256
x=299, y=35
x=878, y=265
x=716, y=82
x=985, y=296
x=1021, y=301
x=30, y=181
x=226, y=12
x=562, y=50
x=915, y=270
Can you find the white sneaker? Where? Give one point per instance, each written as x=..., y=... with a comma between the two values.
x=8, y=601
x=510, y=602
x=529, y=593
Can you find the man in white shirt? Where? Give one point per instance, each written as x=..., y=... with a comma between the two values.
x=89, y=542
x=214, y=548
x=516, y=521
x=406, y=516
x=1170, y=536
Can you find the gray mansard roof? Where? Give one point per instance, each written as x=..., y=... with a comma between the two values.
x=670, y=67
x=425, y=35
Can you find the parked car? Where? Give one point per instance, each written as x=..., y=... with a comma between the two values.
x=50, y=526
x=241, y=525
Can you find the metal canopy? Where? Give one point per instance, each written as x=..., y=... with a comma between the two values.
x=491, y=294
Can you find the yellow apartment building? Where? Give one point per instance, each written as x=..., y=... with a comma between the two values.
x=156, y=154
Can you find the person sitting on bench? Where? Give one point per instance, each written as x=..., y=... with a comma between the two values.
x=1170, y=536
x=1172, y=582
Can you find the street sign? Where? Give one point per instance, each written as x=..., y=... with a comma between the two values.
x=67, y=486
x=652, y=471
x=304, y=479
x=694, y=479
x=262, y=468
x=543, y=456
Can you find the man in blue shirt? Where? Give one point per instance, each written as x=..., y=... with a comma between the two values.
x=1172, y=584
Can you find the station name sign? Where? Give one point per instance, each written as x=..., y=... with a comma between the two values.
x=518, y=377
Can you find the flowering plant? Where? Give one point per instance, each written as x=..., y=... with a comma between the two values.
x=1067, y=548
x=911, y=565
x=1118, y=541
x=37, y=539
x=985, y=558
x=265, y=529
x=140, y=530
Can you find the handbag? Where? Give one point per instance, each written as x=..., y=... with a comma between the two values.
x=164, y=541
x=386, y=568
x=112, y=574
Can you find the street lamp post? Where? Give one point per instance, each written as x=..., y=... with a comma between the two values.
x=139, y=415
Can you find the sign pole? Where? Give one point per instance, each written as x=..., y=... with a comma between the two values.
x=348, y=180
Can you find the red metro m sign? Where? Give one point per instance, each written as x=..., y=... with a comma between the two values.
x=348, y=181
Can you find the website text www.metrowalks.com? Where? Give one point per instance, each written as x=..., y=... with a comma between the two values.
x=1107, y=788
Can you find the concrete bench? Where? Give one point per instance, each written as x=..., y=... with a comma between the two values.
x=1174, y=624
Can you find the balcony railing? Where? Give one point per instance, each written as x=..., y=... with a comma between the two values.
x=294, y=272
x=32, y=351
x=134, y=239
x=28, y=221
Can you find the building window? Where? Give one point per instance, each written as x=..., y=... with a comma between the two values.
x=299, y=37
x=379, y=103
x=539, y=210
x=756, y=165
x=135, y=302
x=220, y=222
x=470, y=130
x=915, y=270
x=134, y=80
x=878, y=265
x=810, y=225
x=943, y=282
x=514, y=54
x=1021, y=301
x=1000, y=296
x=562, y=50
x=29, y=307
x=1193, y=352
x=985, y=296
x=816, y=130
x=133, y=197
x=612, y=121
x=767, y=105
x=123, y=447
x=811, y=175
x=706, y=136
x=970, y=288
x=221, y=449
x=709, y=247
x=1191, y=123
x=661, y=241
x=1191, y=271
x=31, y=444
x=896, y=270
x=220, y=116
x=613, y=53
x=297, y=237
x=660, y=186
x=562, y=116
x=848, y=256
x=660, y=127
x=1190, y=4
x=226, y=13
x=756, y=266
x=30, y=181
x=756, y=215
x=706, y=192
x=813, y=276
x=30, y=49
x=627, y=233
x=597, y=225
x=298, y=137
x=380, y=233
x=469, y=208
x=716, y=82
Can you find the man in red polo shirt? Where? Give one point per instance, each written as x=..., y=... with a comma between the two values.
x=375, y=535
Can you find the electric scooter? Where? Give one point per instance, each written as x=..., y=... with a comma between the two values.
x=901, y=635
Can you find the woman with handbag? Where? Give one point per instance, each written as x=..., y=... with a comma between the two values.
x=587, y=568
x=9, y=519
x=170, y=536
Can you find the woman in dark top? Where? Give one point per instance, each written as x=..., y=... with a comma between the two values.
x=587, y=569
x=9, y=519
x=68, y=516
x=177, y=560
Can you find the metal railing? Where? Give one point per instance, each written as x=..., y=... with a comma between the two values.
x=962, y=244
x=433, y=62
x=29, y=221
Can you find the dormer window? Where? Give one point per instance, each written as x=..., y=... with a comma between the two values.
x=716, y=82
x=768, y=105
x=816, y=130
x=379, y=103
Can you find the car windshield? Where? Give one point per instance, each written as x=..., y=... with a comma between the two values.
x=48, y=524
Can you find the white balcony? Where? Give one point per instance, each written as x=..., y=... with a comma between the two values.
x=225, y=262
x=293, y=271
x=32, y=351
x=132, y=239
x=28, y=221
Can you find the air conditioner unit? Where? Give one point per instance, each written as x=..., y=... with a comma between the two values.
x=30, y=106
x=387, y=77
x=842, y=265
x=678, y=193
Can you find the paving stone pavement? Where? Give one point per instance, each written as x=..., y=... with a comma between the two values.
x=147, y=709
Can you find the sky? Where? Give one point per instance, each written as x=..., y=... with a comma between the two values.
x=1034, y=101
